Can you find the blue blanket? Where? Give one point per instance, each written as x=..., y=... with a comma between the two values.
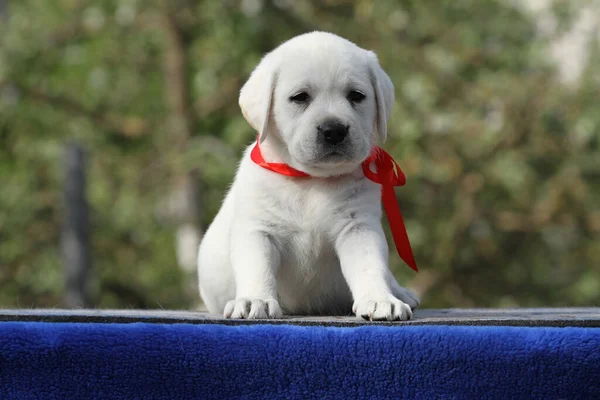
x=180, y=361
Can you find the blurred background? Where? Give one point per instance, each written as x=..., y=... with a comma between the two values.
x=120, y=133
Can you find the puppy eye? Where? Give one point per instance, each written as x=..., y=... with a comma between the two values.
x=355, y=96
x=300, y=98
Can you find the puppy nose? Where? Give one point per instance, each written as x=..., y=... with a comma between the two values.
x=333, y=132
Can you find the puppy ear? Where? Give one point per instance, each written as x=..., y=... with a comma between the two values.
x=384, y=95
x=256, y=96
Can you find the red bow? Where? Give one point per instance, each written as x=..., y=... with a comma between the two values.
x=388, y=175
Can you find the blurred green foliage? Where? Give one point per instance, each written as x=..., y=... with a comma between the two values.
x=503, y=161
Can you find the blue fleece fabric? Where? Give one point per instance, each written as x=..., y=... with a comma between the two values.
x=156, y=361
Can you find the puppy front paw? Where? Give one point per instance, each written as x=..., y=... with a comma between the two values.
x=388, y=309
x=254, y=308
x=406, y=296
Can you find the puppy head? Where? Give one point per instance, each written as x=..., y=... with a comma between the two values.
x=324, y=98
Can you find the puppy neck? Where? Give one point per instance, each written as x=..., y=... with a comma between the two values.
x=274, y=151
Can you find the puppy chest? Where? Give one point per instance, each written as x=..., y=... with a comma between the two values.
x=301, y=231
x=305, y=218
x=308, y=261
x=305, y=245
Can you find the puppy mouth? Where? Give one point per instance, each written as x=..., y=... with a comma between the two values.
x=334, y=156
x=329, y=158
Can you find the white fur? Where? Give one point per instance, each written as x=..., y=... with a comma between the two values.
x=306, y=245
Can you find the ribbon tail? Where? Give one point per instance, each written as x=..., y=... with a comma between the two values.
x=394, y=216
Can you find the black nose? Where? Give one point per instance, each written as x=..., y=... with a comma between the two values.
x=333, y=132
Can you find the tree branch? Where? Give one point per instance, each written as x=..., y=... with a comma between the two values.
x=186, y=195
x=106, y=121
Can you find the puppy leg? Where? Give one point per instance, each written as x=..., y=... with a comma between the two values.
x=363, y=253
x=255, y=260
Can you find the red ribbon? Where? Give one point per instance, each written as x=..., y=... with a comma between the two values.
x=280, y=168
x=388, y=174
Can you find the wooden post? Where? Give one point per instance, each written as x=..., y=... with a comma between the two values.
x=76, y=230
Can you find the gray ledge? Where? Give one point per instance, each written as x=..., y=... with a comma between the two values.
x=550, y=317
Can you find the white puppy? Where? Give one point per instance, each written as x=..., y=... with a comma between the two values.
x=314, y=245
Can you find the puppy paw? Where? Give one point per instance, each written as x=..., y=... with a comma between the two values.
x=252, y=309
x=407, y=296
x=389, y=309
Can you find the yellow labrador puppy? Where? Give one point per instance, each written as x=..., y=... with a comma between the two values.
x=314, y=245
